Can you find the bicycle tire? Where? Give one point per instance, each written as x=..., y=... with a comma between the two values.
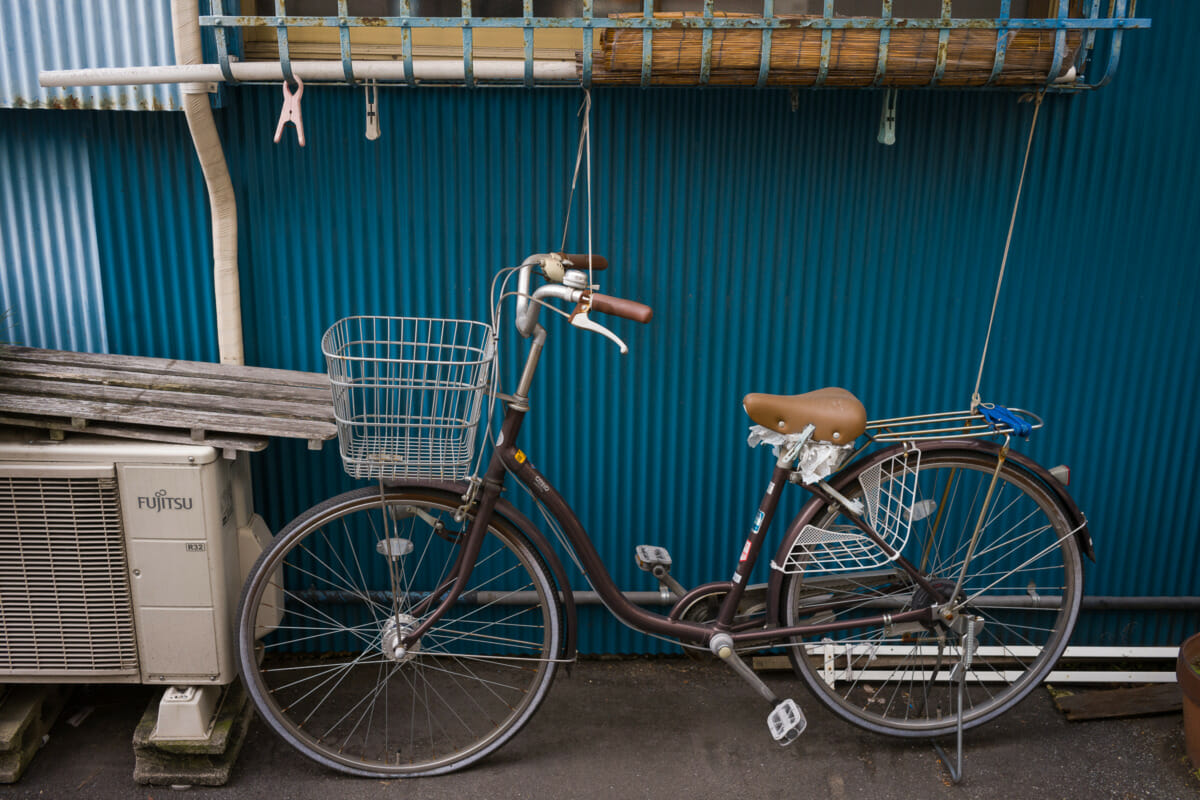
x=327, y=601
x=896, y=680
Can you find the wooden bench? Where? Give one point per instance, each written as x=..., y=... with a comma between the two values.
x=159, y=399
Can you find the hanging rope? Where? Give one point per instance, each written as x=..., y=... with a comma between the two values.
x=975, y=399
x=585, y=147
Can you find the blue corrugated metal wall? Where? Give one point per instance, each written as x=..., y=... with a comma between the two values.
x=783, y=249
x=74, y=34
x=51, y=291
x=153, y=235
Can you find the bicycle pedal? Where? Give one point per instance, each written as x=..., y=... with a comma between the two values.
x=649, y=556
x=786, y=722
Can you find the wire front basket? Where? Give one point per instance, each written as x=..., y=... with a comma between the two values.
x=407, y=394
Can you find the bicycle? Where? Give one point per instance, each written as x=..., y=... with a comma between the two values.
x=412, y=627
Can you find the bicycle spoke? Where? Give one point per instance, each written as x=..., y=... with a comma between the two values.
x=453, y=695
x=896, y=678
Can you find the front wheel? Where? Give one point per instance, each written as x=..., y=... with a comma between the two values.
x=1024, y=579
x=325, y=609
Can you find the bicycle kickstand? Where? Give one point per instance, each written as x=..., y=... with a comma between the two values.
x=958, y=675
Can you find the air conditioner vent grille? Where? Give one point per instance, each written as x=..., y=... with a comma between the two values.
x=65, y=604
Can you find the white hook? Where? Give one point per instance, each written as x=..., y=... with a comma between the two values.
x=372, y=93
x=887, y=120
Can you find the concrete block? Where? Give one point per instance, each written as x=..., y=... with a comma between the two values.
x=203, y=762
x=27, y=712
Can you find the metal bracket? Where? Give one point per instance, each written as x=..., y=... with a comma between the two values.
x=503, y=397
x=855, y=507
x=789, y=453
x=469, y=498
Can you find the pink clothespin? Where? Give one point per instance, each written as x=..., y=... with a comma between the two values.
x=291, y=111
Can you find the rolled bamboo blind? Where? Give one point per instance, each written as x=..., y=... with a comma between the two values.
x=795, y=56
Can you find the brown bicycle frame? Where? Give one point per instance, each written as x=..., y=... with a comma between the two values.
x=508, y=458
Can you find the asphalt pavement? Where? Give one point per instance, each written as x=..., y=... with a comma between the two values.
x=662, y=728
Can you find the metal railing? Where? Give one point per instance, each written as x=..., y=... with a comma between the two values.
x=1075, y=34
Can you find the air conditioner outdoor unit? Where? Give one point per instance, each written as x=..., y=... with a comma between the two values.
x=122, y=561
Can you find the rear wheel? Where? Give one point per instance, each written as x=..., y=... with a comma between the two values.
x=1024, y=580
x=328, y=603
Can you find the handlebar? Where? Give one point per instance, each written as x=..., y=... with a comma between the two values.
x=620, y=307
x=580, y=261
x=528, y=308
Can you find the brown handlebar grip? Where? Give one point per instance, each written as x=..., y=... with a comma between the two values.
x=620, y=307
x=580, y=260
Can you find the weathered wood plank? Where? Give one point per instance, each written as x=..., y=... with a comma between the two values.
x=306, y=393
x=165, y=366
x=188, y=419
x=222, y=441
x=233, y=407
x=1157, y=698
x=136, y=399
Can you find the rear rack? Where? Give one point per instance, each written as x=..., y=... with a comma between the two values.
x=943, y=425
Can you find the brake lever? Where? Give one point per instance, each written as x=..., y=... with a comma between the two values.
x=580, y=319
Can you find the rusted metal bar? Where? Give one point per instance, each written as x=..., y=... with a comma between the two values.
x=943, y=48
x=826, y=40
x=1001, y=41
x=586, y=78
x=344, y=41
x=468, y=46
x=406, y=51
x=1114, y=53
x=222, y=41
x=764, y=58
x=281, y=33
x=1060, y=44
x=1089, y=40
x=706, y=43
x=648, y=42
x=885, y=36
x=527, y=33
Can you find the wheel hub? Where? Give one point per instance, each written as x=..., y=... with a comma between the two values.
x=923, y=599
x=392, y=636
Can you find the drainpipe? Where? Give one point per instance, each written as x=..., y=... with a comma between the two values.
x=185, y=25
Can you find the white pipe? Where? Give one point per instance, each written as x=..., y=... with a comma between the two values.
x=185, y=25
x=315, y=71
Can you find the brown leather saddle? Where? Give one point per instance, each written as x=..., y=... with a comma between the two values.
x=838, y=416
